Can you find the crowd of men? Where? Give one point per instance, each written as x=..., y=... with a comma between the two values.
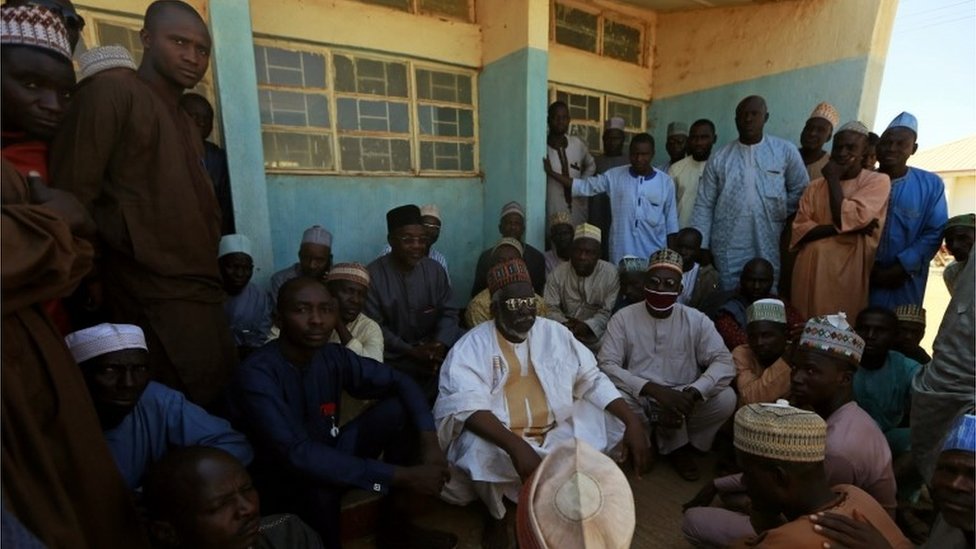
x=762, y=303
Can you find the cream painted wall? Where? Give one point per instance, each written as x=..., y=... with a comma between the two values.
x=960, y=192
x=510, y=25
x=587, y=70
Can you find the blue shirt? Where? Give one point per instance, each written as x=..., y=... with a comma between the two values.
x=163, y=418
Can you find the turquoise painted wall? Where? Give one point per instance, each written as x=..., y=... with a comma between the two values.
x=790, y=97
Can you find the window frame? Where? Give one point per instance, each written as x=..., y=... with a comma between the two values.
x=414, y=8
x=554, y=88
x=602, y=15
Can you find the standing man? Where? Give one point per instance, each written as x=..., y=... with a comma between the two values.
x=837, y=229
x=916, y=214
x=687, y=172
x=511, y=224
x=569, y=157
x=560, y=240
x=641, y=201
x=816, y=133
x=158, y=219
x=314, y=259
x=676, y=145
x=612, y=157
x=748, y=190
x=215, y=159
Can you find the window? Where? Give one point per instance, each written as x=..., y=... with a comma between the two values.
x=588, y=110
x=325, y=110
x=456, y=9
x=598, y=32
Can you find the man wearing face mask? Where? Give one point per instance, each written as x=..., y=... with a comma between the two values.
x=671, y=365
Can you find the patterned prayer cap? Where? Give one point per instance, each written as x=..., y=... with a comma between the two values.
x=827, y=112
x=560, y=218
x=772, y=310
x=962, y=436
x=577, y=498
x=781, y=432
x=104, y=58
x=509, y=241
x=317, y=235
x=104, y=338
x=353, y=272
x=430, y=210
x=668, y=259
x=832, y=333
x=855, y=126
x=967, y=221
x=905, y=120
x=677, y=128
x=507, y=272
x=615, y=123
x=401, y=216
x=632, y=264
x=233, y=244
x=512, y=207
x=34, y=26
x=585, y=230
x=911, y=313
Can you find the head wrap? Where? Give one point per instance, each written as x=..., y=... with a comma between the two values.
x=677, y=128
x=772, y=310
x=507, y=272
x=402, y=216
x=962, y=435
x=615, y=123
x=781, y=432
x=234, y=243
x=317, y=235
x=827, y=112
x=832, y=334
x=103, y=58
x=509, y=241
x=910, y=313
x=855, y=126
x=352, y=272
x=632, y=264
x=967, y=221
x=34, y=26
x=905, y=120
x=577, y=498
x=512, y=207
x=585, y=230
x=560, y=218
x=430, y=210
x=104, y=338
x=668, y=259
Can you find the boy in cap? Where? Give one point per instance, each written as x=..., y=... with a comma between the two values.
x=959, y=235
x=817, y=131
x=911, y=330
x=511, y=224
x=314, y=260
x=479, y=308
x=631, y=270
x=248, y=308
x=762, y=373
x=349, y=284
x=561, y=240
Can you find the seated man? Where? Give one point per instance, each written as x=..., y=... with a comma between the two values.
x=762, y=373
x=581, y=294
x=314, y=259
x=699, y=281
x=824, y=366
x=512, y=224
x=430, y=215
x=781, y=451
x=410, y=298
x=286, y=396
x=349, y=284
x=561, y=239
x=631, y=271
x=247, y=308
x=142, y=419
x=202, y=498
x=479, y=309
x=911, y=330
x=513, y=389
x=959, y=235
x=671, y=366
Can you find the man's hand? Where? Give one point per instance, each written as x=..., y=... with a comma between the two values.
x=636, y=447
x=63, y=204
x=563, y=179
x=525, y=460
x=703, y=498
x=424, y=479
x=870, y=228
x=848, y=533
x=431, y=452
x=832, y=171
x=670, y=400
x=889, y=277
x=345, y=336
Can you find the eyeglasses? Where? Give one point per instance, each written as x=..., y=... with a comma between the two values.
x=655, y=283
x=516, y=303
x=410, y=240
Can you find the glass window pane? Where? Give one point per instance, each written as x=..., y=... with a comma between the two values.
x=399, y=118
x=467, y=157
x=622, y=41
x=464, y=89
x=450, y=8
x=466, y=123
x=373, y=154
x=591, y=135
x=314, y=68
x=293, y=109
x=576, y=28
x=398, y=4
x=426, y=155
x=425, y=118
x=345, y=74
x=631, y=114
x=297, y=151
x=397, y=74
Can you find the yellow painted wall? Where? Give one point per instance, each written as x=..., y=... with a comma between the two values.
x=510, y=25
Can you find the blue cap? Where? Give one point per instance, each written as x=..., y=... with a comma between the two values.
x=905, y=120
x=962, y=436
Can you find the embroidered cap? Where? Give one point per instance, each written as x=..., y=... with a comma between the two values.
x=104, y=58
x=585, y=230
x=512, y=207
x=911, y=313
x=772, y=310
x=507, y=272
x=781, y=432
x=353, y=272
x=827, y=112
x=668, y=259
x=832, y=334
x=104, y=338
x=34, y=26
x=560, y=218
x=317, y=235
x=855, y=126
x=509, y=241
x=233, y=244
x=430, y=210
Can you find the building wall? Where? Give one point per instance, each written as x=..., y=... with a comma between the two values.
x=960, y=192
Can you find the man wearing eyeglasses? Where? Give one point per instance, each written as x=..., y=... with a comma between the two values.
x=513, y=389
x=671, y=365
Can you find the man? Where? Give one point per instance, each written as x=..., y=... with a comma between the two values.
x=782, y=453
x=142, y=419
x=57, y=473
x=203, y=497
x=158, y=221
x=762, y=373
x=314, y=260
x=287, y=397
x=248, y=308
x=430, y=214
x=215, y=159
x=824, y=365
x=837, y=230
x=911, y=330
x=511, y=224
x=641, y=201
x=569, y=156
x=631, y=271
x=561, y=240
x=916, y=214
x=511, y=391
x=699, y=281
x=676, y=145
x=613, y=156
x=748, y=190
x=112, y=58
x=479, y=308
x=410, y=298
x=581, y=294
x=670, y=364
x=756, y=282
x=349, y=284
x=959, y=235
x=687, y=172
x=816, y=133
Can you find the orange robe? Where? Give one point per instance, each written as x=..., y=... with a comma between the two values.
x=755, y=384
x=832, y=274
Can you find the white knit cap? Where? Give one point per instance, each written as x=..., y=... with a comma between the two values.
x=104, y=58
x=104, y=338
x=430, y=210
x=317, y=235
x=234, y=243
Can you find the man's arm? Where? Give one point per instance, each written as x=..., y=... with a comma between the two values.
x=772, y=383
x=190, y=425
x=797, y=178
x=484, y=424
x=707, y=195
x=918, y=253
x=613, y=358
x=367, y=379
x=448, y=324
x=711, y=350
x=670, y=206
x=598, y=322
x=374, y=309
x=553, y=297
